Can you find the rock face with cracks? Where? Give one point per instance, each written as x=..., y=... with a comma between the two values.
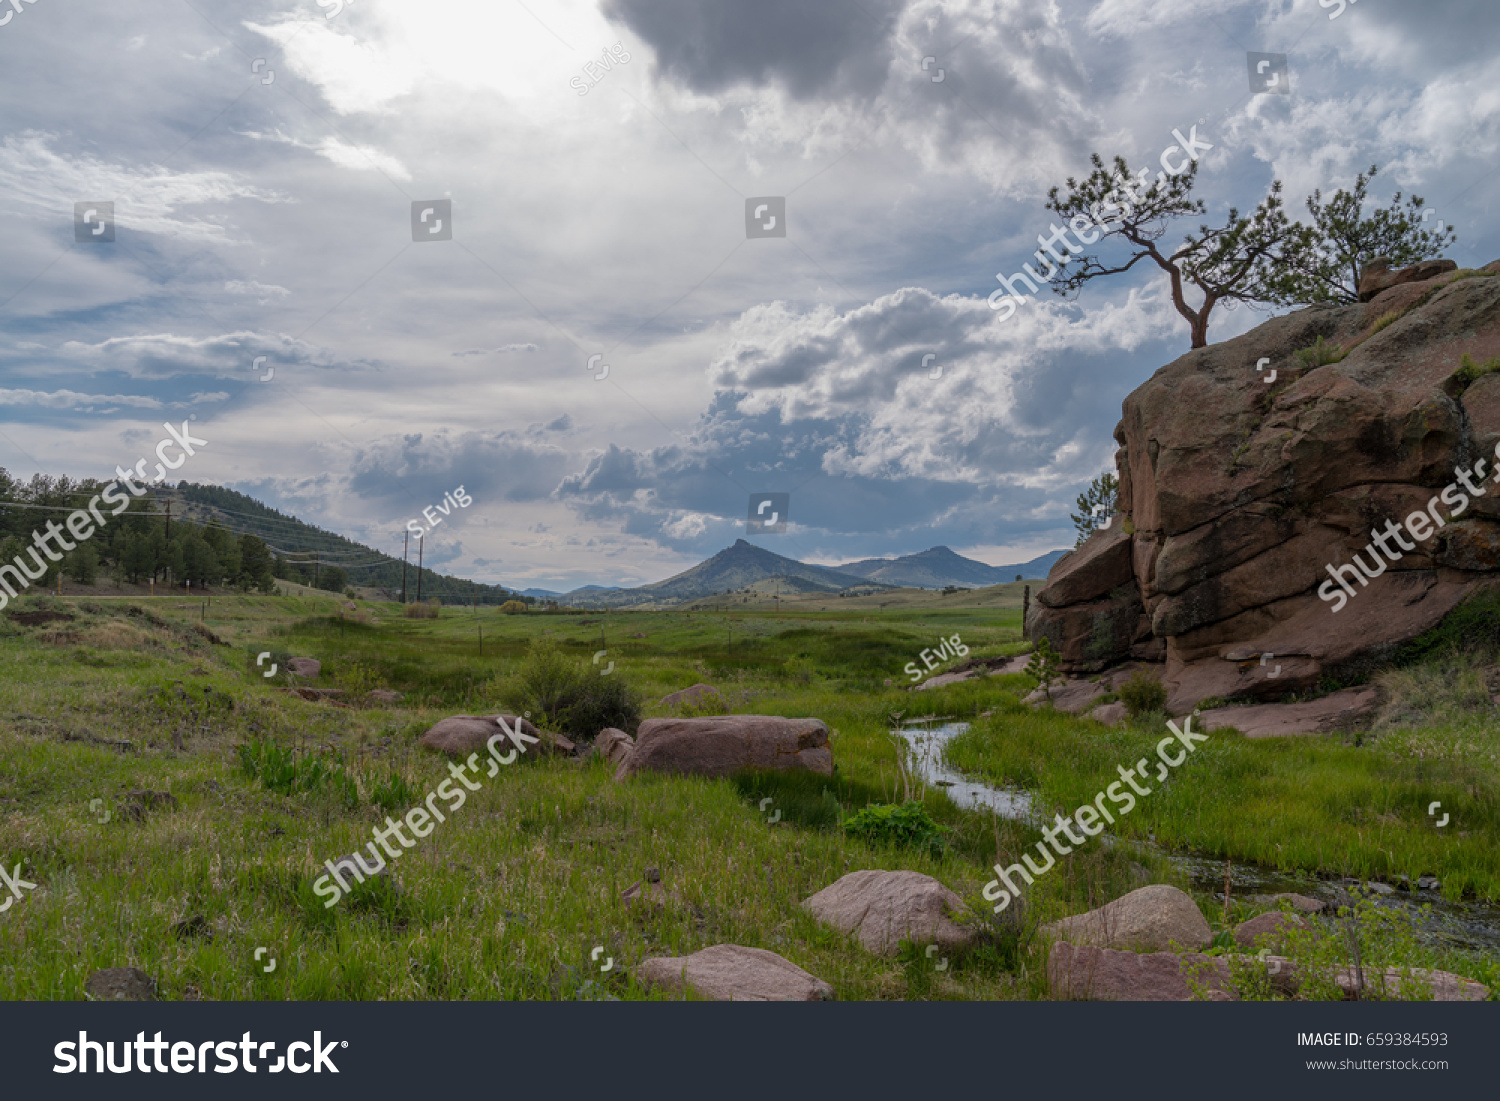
x=1237, y=492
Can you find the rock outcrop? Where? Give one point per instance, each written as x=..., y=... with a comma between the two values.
x=727, y=744
x=1239, y=491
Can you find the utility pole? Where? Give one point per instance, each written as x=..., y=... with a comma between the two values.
x=404, y=544
x=420, y=541
x=317, y=567
x=169, y=522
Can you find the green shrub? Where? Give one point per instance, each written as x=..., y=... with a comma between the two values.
x=1320, y=354
x=904, y=824
x=1142, y=693
x=420, y=611
x=513, y=607
x=1470, y=372
x=573, y=698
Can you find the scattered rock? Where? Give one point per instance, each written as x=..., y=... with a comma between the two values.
x=613, y=745
x=313, y=695
x=384, y=695
x=1154, y=918
x=464, y=735
x=1386, y=984
x=1110, y=714
x=731, y=973
x=884, y=908
x=694, y=695
x=1278, y=720
x=1077, y=695
x=944, y=678
x=726, y=744
x=1299, y=902
x=1272, y=926
x=1087, y=973
x=637, y=635
x=1016, y=664
x=121, y=984
x=304, y=667
x=1429, y=883
x=1444, y=986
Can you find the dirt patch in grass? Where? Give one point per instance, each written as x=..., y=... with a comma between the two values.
x=39, y=617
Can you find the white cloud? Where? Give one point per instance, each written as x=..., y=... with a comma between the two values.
x=146, y=200
x=70, y=399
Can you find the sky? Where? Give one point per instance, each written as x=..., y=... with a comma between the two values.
x=377, y=251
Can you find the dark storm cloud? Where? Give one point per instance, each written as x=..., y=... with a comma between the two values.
x=808, y=48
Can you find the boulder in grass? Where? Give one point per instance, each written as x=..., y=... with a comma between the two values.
x=730, y=973
x=304, y=667
x=884, y=908
x=613, y=745
x=1087, y=973
x=697, y=694
x=121, y=984
x=1268, y=930
x=464, y=735
x=726, y=744
x=1151, y=919
x=383, y=695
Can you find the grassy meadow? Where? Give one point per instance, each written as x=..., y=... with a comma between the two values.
x=518, y=894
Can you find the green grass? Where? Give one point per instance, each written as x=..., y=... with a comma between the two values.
x=508, y=898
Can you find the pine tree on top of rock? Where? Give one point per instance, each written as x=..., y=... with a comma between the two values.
x=1325, y=261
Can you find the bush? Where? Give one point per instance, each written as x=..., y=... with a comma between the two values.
x=1142, y=694
x=905, y=824
x=1320, y=354
x=571, y=697
x=420, y=611
x=513, y=607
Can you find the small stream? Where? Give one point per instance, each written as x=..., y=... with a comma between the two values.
x=1468, y=925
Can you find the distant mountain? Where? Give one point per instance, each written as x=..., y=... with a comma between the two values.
x=940, y=567
x=739, y=567
x=540, y=594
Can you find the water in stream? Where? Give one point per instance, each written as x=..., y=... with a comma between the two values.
x=1471, y=925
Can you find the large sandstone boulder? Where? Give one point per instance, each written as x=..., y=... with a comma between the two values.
x=463, y=735
x=1149, y=919
x=884, y=908
x=1236, y=495
x=1086, y=973
x=726, y=744
x=730, y=973
x=304, y=667
x=1377, y=275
